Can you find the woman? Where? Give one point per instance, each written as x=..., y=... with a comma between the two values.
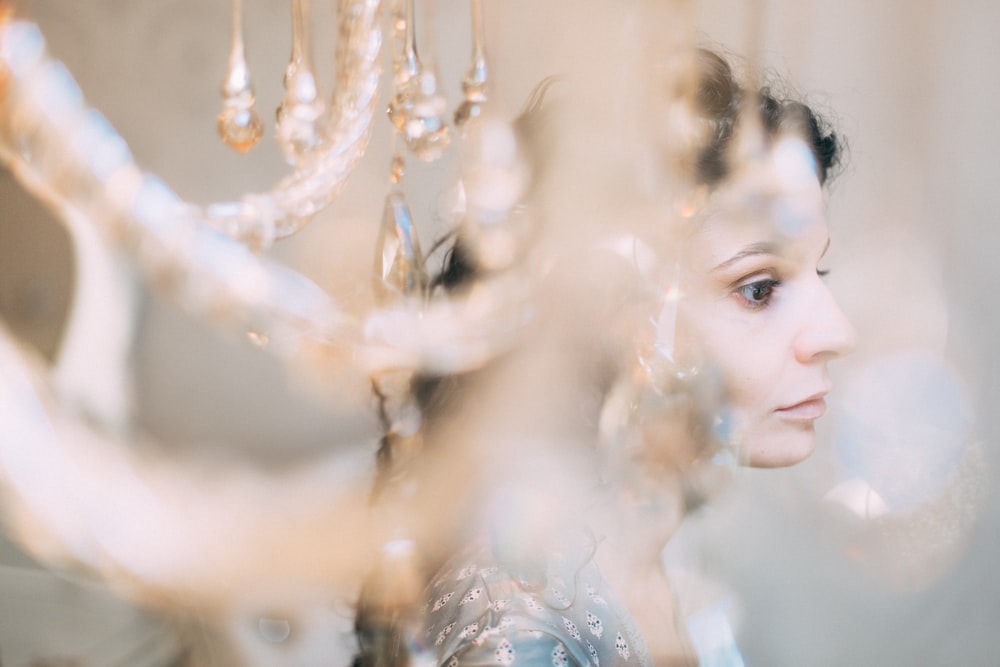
x=757, y=306
x=738, y=360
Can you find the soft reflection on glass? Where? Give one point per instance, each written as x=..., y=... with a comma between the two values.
x=910, y=466
x=905, y=430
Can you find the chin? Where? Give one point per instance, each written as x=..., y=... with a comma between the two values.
x=779, y=450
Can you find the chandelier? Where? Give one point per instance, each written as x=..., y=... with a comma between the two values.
x=613, y=157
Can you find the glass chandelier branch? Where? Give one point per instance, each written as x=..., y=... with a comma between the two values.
x=70, y=158
x=59, y=479
x=322, y=170
x=325, y=158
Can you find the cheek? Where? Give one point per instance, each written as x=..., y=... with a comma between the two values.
x=732, y=347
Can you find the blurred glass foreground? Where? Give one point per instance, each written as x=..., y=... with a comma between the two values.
x=197, y=436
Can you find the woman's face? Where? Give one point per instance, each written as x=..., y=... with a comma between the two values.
x=756, y=310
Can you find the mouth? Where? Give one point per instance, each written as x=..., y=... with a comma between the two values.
x=808, y=409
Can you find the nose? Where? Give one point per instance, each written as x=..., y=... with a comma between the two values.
x=826, y=333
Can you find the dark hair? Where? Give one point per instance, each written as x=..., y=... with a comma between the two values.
x=721, y=102
x=459, y=268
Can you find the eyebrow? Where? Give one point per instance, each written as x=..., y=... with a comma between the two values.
x=755, y=249
x=750, y=251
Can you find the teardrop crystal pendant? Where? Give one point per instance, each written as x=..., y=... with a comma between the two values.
x=475, y=83
x=417, y=108
x=302, y=111
x=239, y=124
x=399, y=263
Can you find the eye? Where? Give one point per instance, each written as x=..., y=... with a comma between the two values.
x=822, y=273
x=757, y=294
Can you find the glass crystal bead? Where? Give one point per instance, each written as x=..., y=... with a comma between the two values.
x=240, y=127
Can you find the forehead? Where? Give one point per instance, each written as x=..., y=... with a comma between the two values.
x=787, y=222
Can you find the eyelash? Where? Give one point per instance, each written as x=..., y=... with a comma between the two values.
x=766, y=285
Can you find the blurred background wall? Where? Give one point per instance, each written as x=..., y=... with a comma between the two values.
x=915, y=90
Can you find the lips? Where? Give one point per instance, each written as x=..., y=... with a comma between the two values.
x=808, y=409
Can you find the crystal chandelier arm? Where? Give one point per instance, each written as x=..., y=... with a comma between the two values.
x=99, y=332
x=181, y=534
x=449, y=335
x=259, y=219
x=69, y=157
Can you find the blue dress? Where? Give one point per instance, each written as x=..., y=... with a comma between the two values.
x=554, y=611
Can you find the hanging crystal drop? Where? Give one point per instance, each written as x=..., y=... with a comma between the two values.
x=417, y=108
x=239, y=124
x=302, y=111
x=475, y=83
x=399, y=263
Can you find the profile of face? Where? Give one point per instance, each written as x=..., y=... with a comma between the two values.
x=757, y=311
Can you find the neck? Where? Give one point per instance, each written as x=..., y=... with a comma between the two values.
x=632, y=533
